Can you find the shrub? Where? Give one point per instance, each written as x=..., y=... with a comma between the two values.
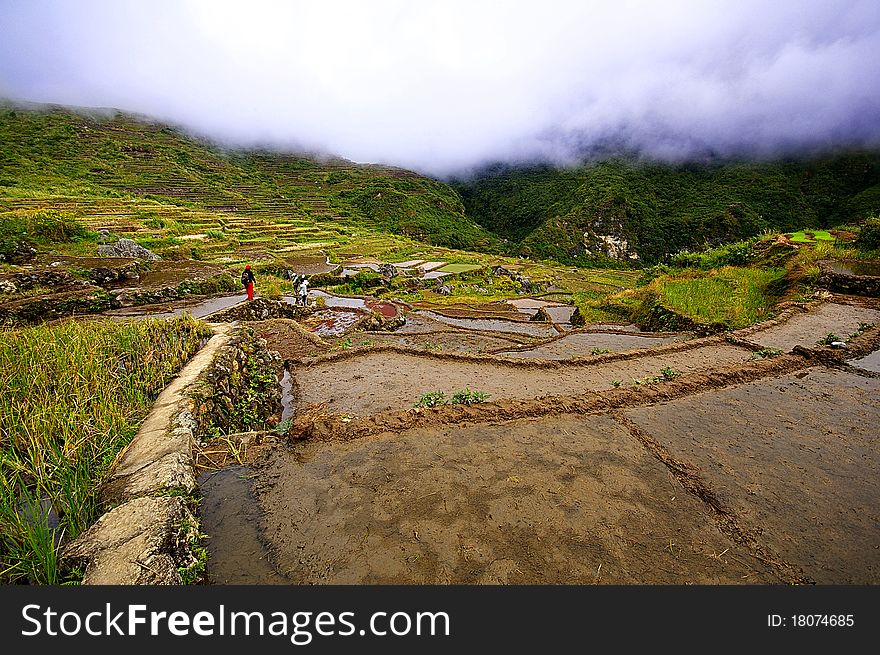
x=869, y=235
x=47, y=226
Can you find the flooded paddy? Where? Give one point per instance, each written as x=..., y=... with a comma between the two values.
x=796, y=458
x=376, y=382
x=493, y=325
x=195, y=308
x=231, y=518
x=808, y=328
x=856, y=268
x=567, y=500
x=870, y=362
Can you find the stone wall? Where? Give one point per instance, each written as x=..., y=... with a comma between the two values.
x=857, y=285
x=262, y=309
x=150, y=533
x=240, y=392
x=85, y=300
x=131, y=296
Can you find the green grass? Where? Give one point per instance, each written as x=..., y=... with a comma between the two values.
x=734, y=297
x=71, y=396
x=117, y=169
x=810, y=236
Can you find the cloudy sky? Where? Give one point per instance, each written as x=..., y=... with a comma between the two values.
x=440, y=86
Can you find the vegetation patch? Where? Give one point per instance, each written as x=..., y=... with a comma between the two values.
x=459, y=268
x=810, y=236
x=766, y=353
x=460, y=397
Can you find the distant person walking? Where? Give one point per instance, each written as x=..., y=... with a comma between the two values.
x=304, y=291
x=248, y=279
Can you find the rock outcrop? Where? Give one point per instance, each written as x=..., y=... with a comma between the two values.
x=127, y=248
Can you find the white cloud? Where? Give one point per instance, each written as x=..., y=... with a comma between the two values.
x=440, y=86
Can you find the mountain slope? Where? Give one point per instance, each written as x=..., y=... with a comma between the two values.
x=54, y=151
x=626, y=208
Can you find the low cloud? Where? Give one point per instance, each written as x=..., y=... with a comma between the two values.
x=444, y=86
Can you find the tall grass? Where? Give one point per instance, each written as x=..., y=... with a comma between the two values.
x=735, y=297
x=71, y=397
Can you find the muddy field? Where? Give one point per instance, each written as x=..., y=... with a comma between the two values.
x=768, y=477
x=807, y=328
x=583, y=343
x=796, y=458
x=575, y=500
x=386, y=381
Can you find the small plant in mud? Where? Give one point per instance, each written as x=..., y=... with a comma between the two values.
x=669, y=373
x=468, y=397
x=599, y=351
x=345, y=345
x=282, y=428
x=862, y=327
x=666, y=374
x=616, y=383
x=766, y=353
x=431, y=399
x=828, y=339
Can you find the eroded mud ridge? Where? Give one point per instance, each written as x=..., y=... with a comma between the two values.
x=746, y=458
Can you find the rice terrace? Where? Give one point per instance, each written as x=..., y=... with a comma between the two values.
x=452, y=403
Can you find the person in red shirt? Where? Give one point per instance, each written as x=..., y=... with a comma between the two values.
x=248, y=279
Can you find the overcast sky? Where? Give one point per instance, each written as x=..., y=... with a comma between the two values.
x=441, y=86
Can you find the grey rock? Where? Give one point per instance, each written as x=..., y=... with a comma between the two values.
x=142, y=542
x=127, y=248
x=388, y=270
x=7, y=286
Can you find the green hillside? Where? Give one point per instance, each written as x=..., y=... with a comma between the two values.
x=96, y=165
x=661, y=208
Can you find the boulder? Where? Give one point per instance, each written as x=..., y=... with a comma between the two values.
x=127, y=248
x=144, y=541
x=388, y=270
x=20, y=253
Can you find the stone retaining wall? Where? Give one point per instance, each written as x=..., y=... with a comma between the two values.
x=857, y=285
x=240, y=392
x=150, y=535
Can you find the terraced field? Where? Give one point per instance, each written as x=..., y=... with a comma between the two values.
x=562, y=477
